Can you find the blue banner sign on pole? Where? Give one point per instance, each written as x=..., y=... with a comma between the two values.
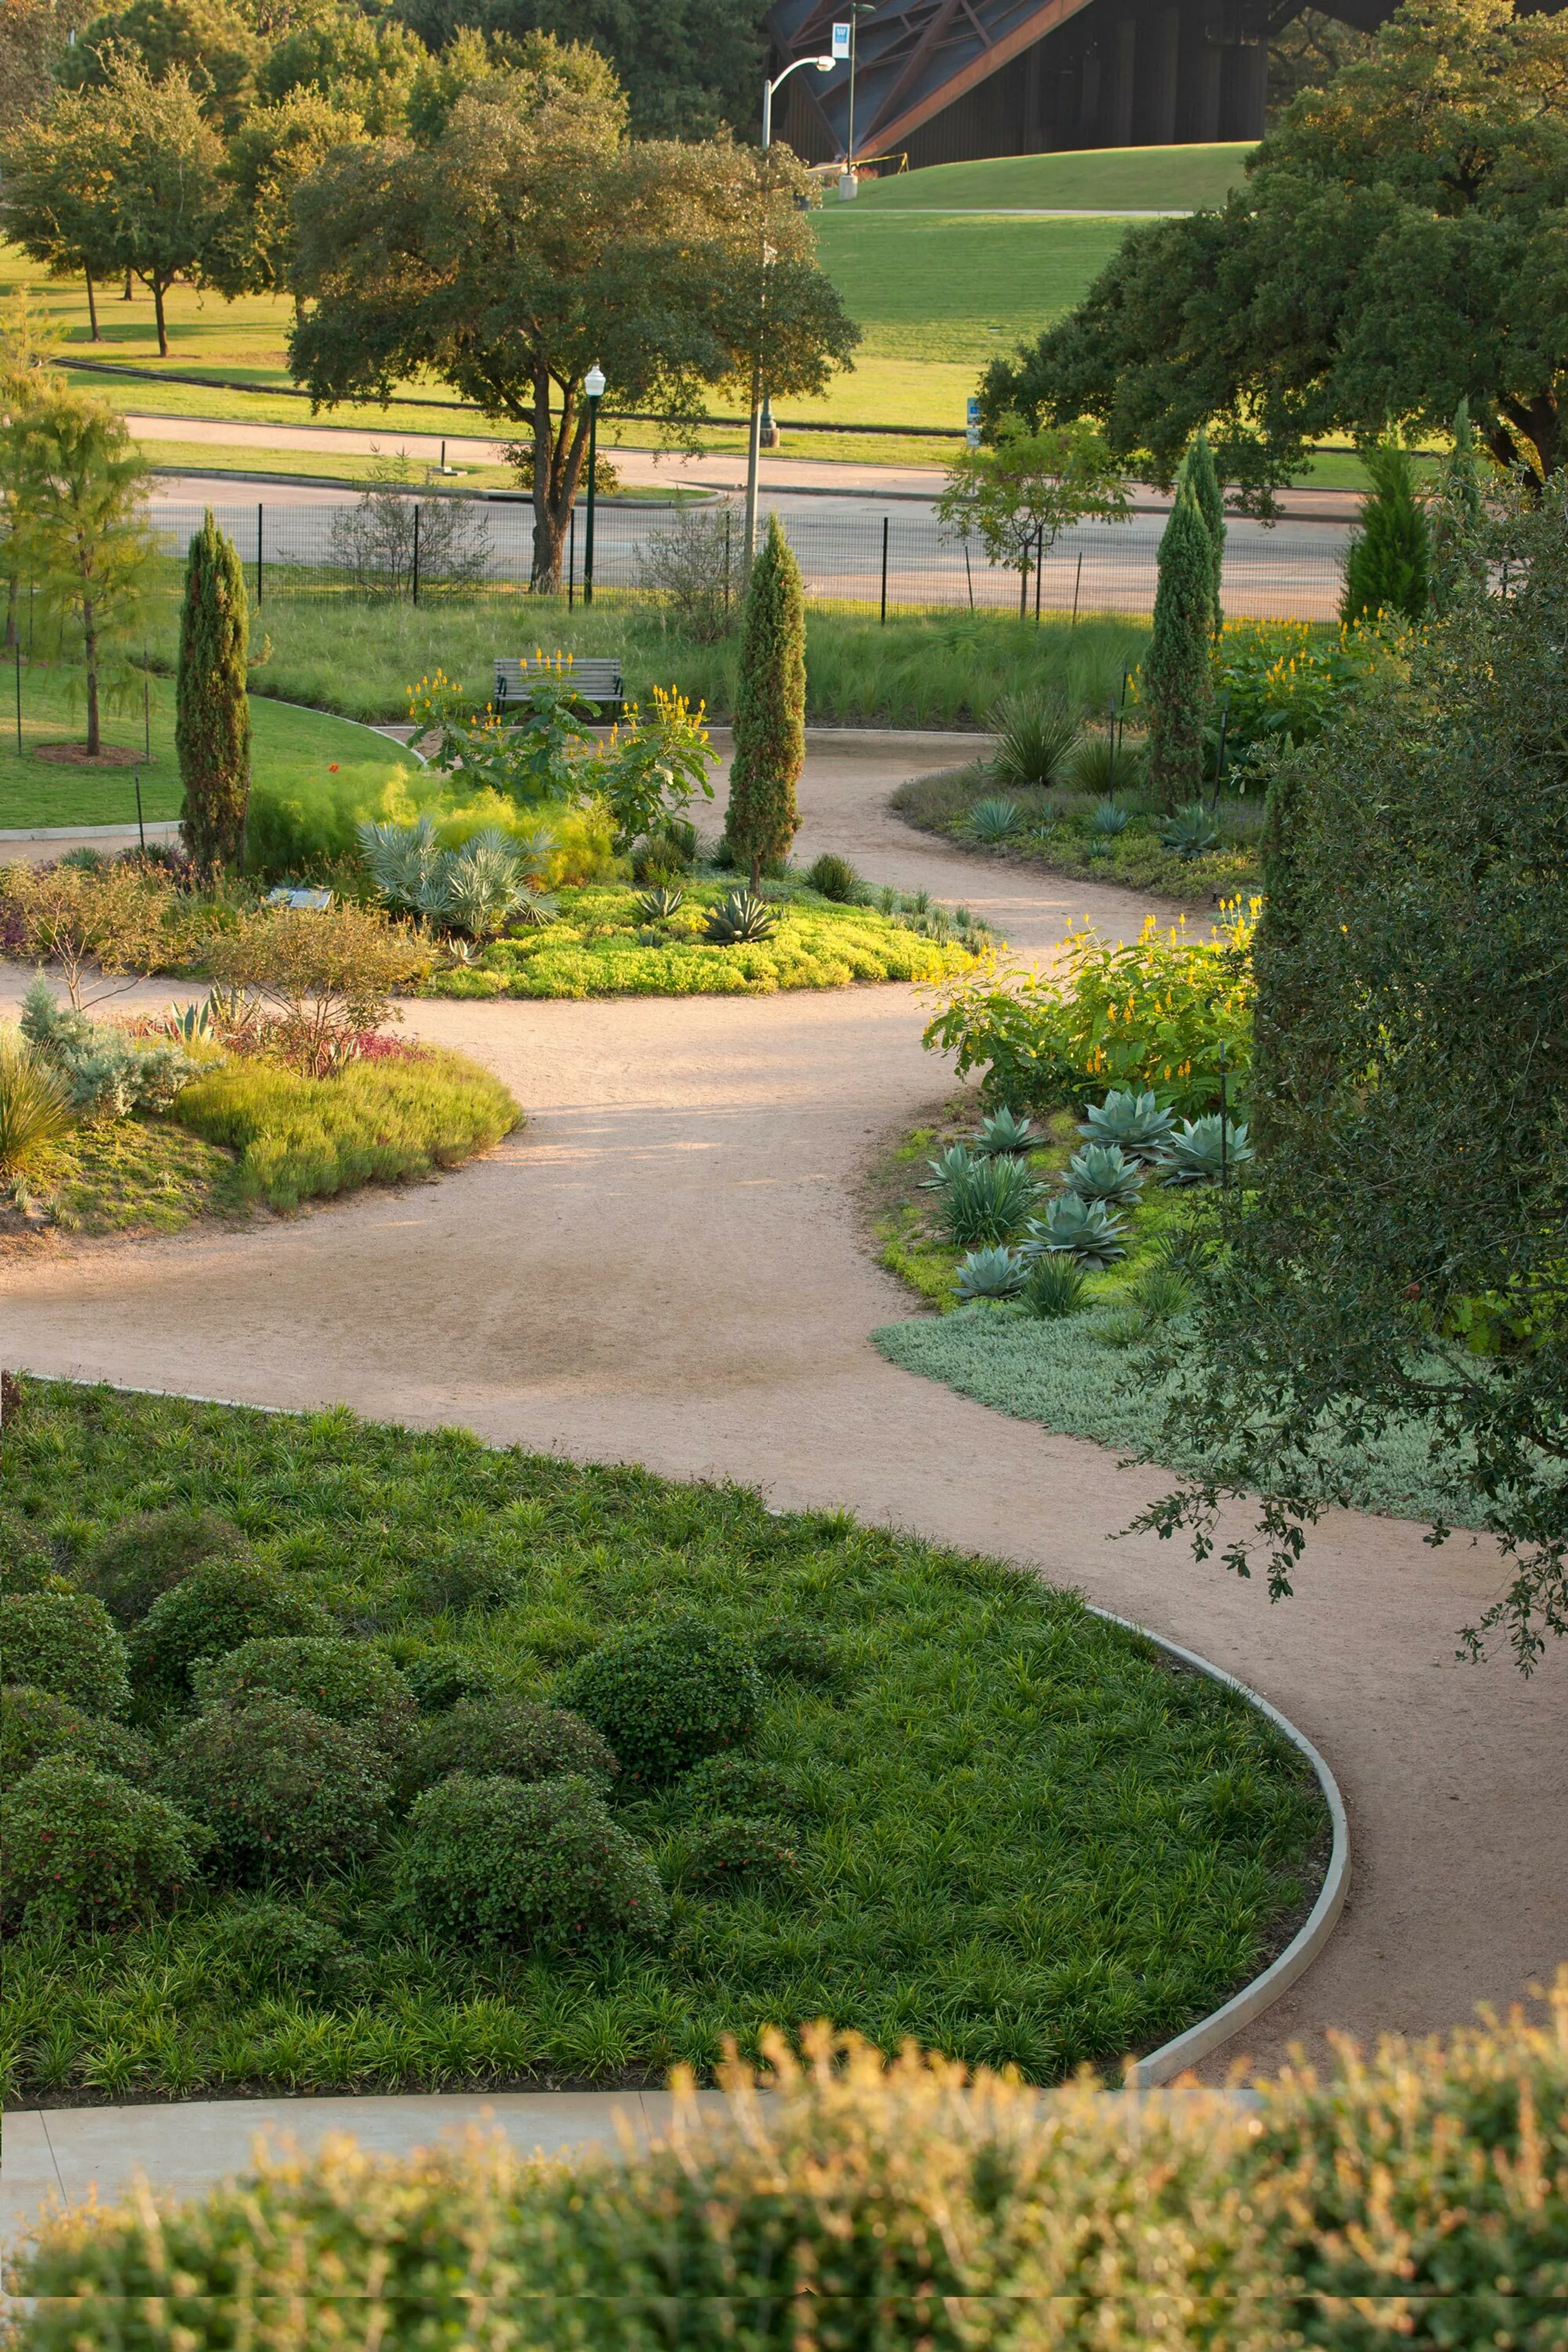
x=841, y=40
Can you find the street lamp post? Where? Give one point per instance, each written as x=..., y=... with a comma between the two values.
x=593, y=386
x=753, y=446
x=847, y=184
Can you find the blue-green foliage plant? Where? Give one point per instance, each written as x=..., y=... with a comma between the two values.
x=1085, y=1228
x=998, y=1273
x=1138, y=1124
x=1205, y=1151
x=988, y=1201
x=1103, y=1172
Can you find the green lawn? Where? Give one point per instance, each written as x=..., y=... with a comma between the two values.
x=958, y=291
x=1156, y=178
x=1017, y=1834
x=287, y=747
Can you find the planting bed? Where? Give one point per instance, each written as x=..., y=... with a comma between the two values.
x=952, y=1804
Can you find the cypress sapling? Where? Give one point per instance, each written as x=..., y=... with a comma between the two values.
x=1175, y=684
x=212, y=709
x=1199, y=475
x=770, y=711
x=1388, y=568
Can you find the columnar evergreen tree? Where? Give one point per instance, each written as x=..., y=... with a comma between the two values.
x=212, y=723
x=1176, y=667
x=1199, y=475
x=769, y=710
x=1388, y=568
x=1456, y=515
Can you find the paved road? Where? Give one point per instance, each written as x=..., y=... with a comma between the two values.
x=668, y=1265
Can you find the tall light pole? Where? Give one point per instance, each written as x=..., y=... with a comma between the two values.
x=823, y=65
x=594, y=387
x=858, y=8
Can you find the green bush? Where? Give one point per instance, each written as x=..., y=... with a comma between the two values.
x=438, y=1678
x=734, y=1784
x=35, y=1724
x=284, y=1793
x=737, y=1847
x=302, y=1138
x=346, y=1681
x=534, y=1865
x=831, y=876
x=151, y=1551
x=667, y=1695
x=273, y=1947
x=511, y=1737
x=85, y=1850
x=210, y=1612
x=26, y=1561
x=1415, y=2198
x=66, y=1643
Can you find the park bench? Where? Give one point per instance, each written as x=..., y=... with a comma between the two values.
x=597, y=678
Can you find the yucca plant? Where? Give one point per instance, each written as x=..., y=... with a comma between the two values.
x=188, y=1023
x=659, y=905
x=1190, y=831
x=741, y=919
x=988, y=1202
x=954, y=1162
x=1035, y=734
x=1086, y=1229
x=35, y=1105
x=1138, y=1123
x=1103, y=1172
x=995, y=820
x=1004, y=1131
x=1055, y=1288
x=994, y=1273
x=1205, y=1149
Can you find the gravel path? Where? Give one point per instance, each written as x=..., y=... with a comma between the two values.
x=666, y=1265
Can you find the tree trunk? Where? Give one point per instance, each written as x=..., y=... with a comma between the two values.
x=557, y=468
x=158, y=309
x=126, y=296
x=90, y=663
x=93, y=336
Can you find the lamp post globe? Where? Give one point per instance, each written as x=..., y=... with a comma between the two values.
x=593, y=388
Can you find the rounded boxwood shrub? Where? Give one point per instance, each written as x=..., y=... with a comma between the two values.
x=153, y=1551
x=666, y=1694
x=210, y=1612
x=531, y=1864
x=35, y=1724
x=347, y=1682
x=734, y=1784
x=440, y=1678
x=738, y=1847
x=84, y=1849
x=284, y=1793
x=66, y=1643
x=511, y=1738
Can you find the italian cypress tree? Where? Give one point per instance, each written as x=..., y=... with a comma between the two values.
x=212, y=720
x=1175, y=684
x=1389, y=566
x=1199, y=474
x=769, y=710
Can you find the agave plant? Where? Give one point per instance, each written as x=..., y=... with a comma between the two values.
x=659, y=905
x=1085, y=1229
x=403, y=860
x=991, y=1274
x=1205, y=1149
x=1055, y=1288
x=1103, y=1172
x=188, y=1023
x=988, y=1202
x=1137, y=1123
x=1035, y=733
x=1004, y=1131
x=1190, y=831
x=995, y=820
x=1108, y=819
x=955, y=1161
x=740, y=921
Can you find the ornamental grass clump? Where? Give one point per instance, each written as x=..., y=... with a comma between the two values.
x=537, y=1866
x=66, y=1643
x=86, y=1850
x=987, y=1202
x=35, y=1107
x=283, y=1792
x=667, y=1693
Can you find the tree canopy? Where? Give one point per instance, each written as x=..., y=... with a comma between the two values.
x=1400, y=1260
x=1400, y=245
x=538, y=240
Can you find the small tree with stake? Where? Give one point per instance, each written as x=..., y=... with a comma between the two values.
x=769, y=710
x=1177, y=669
x=212, y=707
x=1022, y=491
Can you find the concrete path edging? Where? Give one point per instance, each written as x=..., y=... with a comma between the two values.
x=1174, y=2057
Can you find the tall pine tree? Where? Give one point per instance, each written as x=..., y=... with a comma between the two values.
x=770, y=711
x=1175, y=684
x=212, y=721
x=1197, y=472
x=1388, y=568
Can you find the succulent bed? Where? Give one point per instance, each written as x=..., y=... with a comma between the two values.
x=372, y=1758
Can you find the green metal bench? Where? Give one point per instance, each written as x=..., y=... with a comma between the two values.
x=597, y=677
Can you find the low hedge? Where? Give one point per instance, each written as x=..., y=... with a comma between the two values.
x=210, y=1612
x=35, y=1724
x=284, y=1794
x=536, y=1864
x=1417, y=2196
x=667, y=1695
x=345, y=1682
x=84, y=1849
x=65, y=1643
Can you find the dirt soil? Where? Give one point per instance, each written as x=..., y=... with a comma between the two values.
x=668, y=1265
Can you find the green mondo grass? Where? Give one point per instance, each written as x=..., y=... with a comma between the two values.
x=1022, y=1837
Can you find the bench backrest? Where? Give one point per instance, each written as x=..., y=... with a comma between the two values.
x=597, y=677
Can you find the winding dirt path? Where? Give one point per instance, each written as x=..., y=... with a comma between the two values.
x=666, y=1265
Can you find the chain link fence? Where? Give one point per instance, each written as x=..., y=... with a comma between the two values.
x=437, y=549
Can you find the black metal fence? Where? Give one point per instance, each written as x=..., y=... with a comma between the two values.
x=437, y=549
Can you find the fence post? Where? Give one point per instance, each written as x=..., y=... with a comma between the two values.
x=1039, y=569
x=728, y=526
x=967, y=573
x=258, y=550
x=414, y=573
x=884, y=570
x=18, y=694
x=1077, y=584
x=571, y=560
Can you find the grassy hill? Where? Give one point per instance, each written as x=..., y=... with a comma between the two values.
x=1138, y=179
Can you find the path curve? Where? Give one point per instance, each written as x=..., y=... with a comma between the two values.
x=666, y=1265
